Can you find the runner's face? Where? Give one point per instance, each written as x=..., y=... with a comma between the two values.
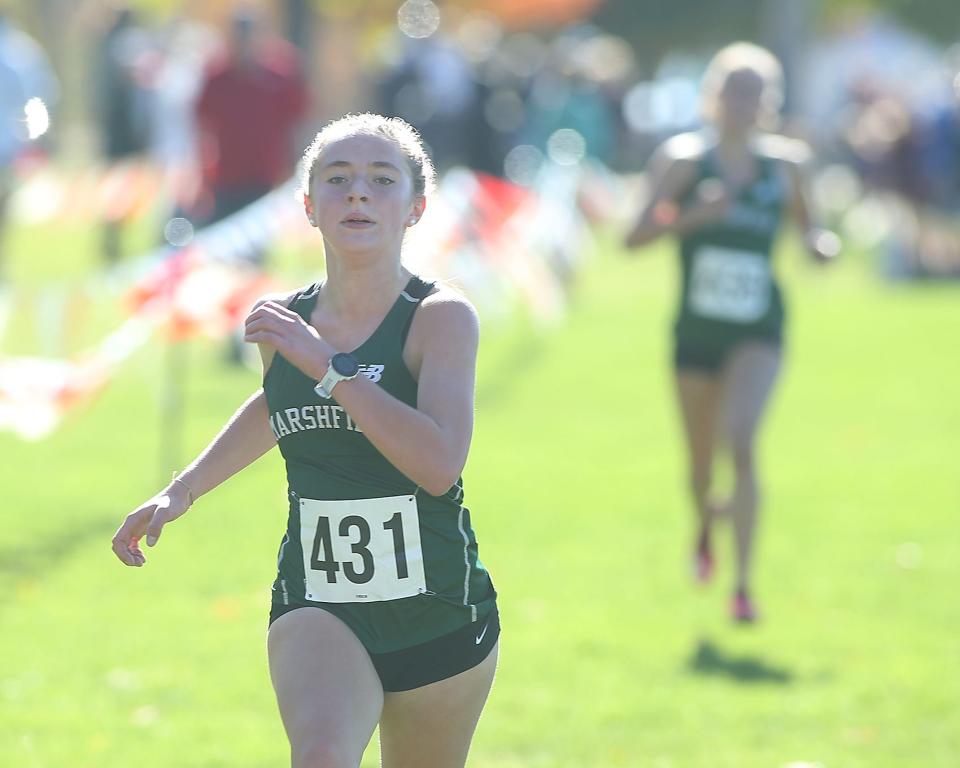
x=362, y=194
x=739, y=101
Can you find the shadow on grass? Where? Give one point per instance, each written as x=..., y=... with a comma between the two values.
x=708, y=659
x=31, y=562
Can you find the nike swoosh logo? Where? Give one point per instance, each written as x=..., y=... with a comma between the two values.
x=480, y=636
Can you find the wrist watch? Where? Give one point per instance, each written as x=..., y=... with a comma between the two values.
x=343, y=367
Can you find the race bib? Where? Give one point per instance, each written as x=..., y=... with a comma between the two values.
x=728, y=284
x=361, y=550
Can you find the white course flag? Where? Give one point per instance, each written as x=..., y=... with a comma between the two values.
x=36, y=392
x=501, y=242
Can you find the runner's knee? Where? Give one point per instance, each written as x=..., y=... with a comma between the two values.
x=699, y=481
x=323, y=753
x=741, y=448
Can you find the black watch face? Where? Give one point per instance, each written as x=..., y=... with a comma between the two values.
x=345, y=364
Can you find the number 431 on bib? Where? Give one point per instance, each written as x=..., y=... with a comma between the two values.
x=361, y=550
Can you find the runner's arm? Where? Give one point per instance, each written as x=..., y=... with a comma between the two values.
x=429, y=443
x=670, y=175
x=244, y=439
x=821, y=244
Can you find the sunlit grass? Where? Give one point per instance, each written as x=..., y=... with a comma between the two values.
x=610, y=656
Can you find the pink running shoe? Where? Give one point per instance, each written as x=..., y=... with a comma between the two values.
x=703, y=558
x=742, y=609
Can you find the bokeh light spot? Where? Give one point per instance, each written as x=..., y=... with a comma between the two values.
x=418, y=18
x=522, y=164
x=178, y=231
x=909, y=555
x=37, y=117
x=566, y=147
x=504, y=110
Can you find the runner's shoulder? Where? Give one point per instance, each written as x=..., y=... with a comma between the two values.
x=280, y=297
x=784, y=149
x=446, y=299
x=447, y=310
x=689, y=147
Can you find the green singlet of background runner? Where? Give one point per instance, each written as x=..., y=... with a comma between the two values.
x=747, y=231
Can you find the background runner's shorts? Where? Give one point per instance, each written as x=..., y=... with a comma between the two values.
x=711, y=358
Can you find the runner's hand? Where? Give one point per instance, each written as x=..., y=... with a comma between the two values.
x=711, y=202
x=823, y=245
x=148, y=519
x=284, y=330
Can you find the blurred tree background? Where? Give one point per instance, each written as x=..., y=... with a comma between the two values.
x=653, y=29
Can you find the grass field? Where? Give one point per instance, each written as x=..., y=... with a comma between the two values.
x=610, y=655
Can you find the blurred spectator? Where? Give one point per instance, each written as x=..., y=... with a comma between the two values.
x=120, y=100
x=184, y=47
x=121, y=113
x=566, y=94
x=939, y=149
x=504, y=68
x=24, y=75
x=252, y=102
x=877, y=138
x=432, y=86
x=909, y=162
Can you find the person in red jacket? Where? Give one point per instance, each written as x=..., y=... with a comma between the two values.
x=250, y=108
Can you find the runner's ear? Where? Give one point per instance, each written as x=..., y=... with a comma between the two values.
x=308, y=207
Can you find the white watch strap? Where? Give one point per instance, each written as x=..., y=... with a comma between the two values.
x=330, y=379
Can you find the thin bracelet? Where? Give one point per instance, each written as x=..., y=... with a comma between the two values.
x=189, y=491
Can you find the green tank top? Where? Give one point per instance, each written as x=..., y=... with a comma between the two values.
x=398, y=565
x=728, y=287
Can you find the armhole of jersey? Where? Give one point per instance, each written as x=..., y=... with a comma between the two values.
x=705, y=165
x=778, y=169
x=419, y=292
x=767, y=165
x=701, y=169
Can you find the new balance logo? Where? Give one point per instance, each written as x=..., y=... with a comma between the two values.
x=372, y=372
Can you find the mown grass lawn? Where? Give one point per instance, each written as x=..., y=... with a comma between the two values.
x=610, y=655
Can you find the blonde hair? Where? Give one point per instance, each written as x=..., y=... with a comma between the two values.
x=395, y=129
x=737, y=57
